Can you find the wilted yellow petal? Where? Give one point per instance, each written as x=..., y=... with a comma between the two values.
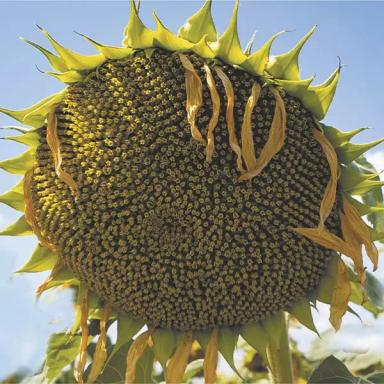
x=79, y=369
x=54, y=144
x=234, y=144
x=275, y=140
x=135, y=351
x=211, y=357
x=30, y=216
x=100, y=354
x=361, y=231
x=247, y=144
x=330, y=192
x=194, y=90
x=178, y=362
x=351, y=239
x=215, y=113
x=340, y=297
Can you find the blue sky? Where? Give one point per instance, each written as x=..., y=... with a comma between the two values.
x=351, y=30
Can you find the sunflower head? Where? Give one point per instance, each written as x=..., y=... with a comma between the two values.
x=184, y=184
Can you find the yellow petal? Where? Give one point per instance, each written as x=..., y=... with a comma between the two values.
x=100, y=354
x=247, y=144
x=275, y=140
x=178, y=362
x=234, y=144
x=211, y=357
x=330, y=193
x=361, y=231
x=350, y=238
x=135, y=351
x=194, y=90
x=30, y=216
x=340, y=297
x=215, y=113
x=54, y=144
x=79, y=369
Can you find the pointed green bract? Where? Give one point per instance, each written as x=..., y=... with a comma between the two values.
x=365, y=209
x=69, y=77
x=249, y=46
x=286, y=66
x=203, y=49
x=74, y=60
x=62, y=277
x=327, y=283
x=19, y=165
x=30, y=138
x=203, y=337
x=198, y=25
x=354, y=174
x=302, y=312
x=56, y=62
x=109, y=51
x=136, y=34
x=164, y=343
x=297, y=88
x=42, y=259
x=257, y=62
x=15, y=197
x=256, y=336
x=349, y=152
x=19, y=228
x=227, y=344
x=338, y=137
x=228, y=47
x=319, y=98
x=163, y=38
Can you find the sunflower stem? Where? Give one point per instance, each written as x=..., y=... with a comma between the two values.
x=279, y=356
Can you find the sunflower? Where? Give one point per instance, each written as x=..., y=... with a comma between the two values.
x=183, y=184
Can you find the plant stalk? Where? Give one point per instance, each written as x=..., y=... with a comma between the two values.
x=279, y=356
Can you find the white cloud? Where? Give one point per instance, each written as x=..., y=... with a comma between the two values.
x=377, y=160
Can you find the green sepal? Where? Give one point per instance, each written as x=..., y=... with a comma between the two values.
x=376, y=235
x=56, y=62
x=338, y=137
x=319, y=98
x=327, y=283
x=365, y=209
x=14, y=198
x=249, y=46
x=227, y=344
x=30, y=138
x=349, y=152
x=256, y=336
x=353, y=175
x=136, y=34
x=203, y=49
x=19, y=228
x=164, y=343
x=257, y=62
x=286, y=66
x=62, y=277
x=42, y=259
x=199, y=24
x=35, y=115
x=228, y=47
x=68, y=77
x=365, y=187
x=109, y=51
x=203, y=337
x=297, y=88
x=20, y=164
x=274, y=329
x=126, y=329
x=302, y=312
x=16, y=128
x=164, y=38
x=74, y=60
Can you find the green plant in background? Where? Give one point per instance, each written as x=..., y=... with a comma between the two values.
x=186, y=185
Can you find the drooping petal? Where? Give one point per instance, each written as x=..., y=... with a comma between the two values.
x=215, y=113
x=211, y=358
x=194, y=90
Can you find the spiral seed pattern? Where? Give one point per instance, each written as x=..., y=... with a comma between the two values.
x=159, y=232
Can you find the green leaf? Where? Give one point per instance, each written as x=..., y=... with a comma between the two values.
x=15, y=197
x=62, y=350
x=164, y=343
x=200, y=24
x=227, y=344
x=20, y=164
x=256, y=336
x=193, y=369
x=376, y=377
x=375, y=290
x=19, y=228
x=42, y=259
x=286, y=66
x=228, y=47
x=126, y=329
x=302, y=312
x=333, y=371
